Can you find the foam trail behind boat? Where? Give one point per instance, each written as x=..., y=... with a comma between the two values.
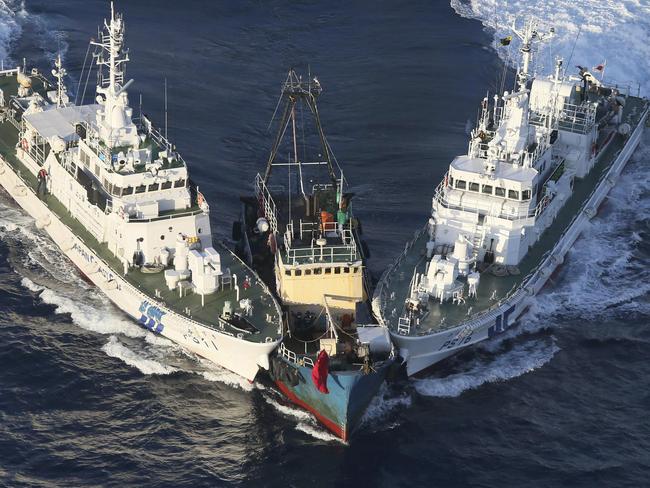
x=617, y=33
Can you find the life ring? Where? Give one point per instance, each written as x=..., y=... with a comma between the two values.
x=24, y=144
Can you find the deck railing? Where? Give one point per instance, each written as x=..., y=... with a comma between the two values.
x=266, y=203
x=313, y=253
x=524, y=211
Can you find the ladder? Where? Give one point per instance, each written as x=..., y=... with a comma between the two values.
x=477, y=241
x=404, y=326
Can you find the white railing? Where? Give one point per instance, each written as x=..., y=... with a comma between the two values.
x=294, y=358
x=577, y=118
x=266, y=203
x=326, y=254
x=523, y=211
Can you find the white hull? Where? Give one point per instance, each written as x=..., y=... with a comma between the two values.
x=237, y=355
x=421, y=352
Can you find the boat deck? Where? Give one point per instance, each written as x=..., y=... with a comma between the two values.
x=340, y=248
x=265, y=320
x=492, y=289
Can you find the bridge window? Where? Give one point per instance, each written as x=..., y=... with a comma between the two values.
x=153, y=187
x=140, y=188
x=179, y=183
x=328, y=270
x=337, y=270
x=346, y=270
x=461, y=184
x=451, y=181
x=318, y=271
x=513, y=194
x=525, y=195
x=307, y=272
x=500, y=191
x=298, y=272
x=287, y=272
x=127, y=191
x=487, y=189
x=166, y=185
x=473, y=186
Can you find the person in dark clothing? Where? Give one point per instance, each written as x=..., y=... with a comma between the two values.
x=41, y=189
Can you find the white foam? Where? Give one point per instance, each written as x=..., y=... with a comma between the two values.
x=615, y=31
x=318, y=433
x=116, y=349
x=384, y=403
x=522, y=359
x=226, y=377
x=11, y=20
x=92, y=313
x=31, y=286
x=289, y=411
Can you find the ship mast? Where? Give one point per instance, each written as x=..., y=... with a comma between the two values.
x=527, y=35
x=296, y=90
x=114, y=120
x=59, y=72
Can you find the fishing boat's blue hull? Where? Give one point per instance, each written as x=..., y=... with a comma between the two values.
x=342, y=408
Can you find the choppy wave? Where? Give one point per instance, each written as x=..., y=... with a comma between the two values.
x=521, y=359
x=614, y=32
x=305, y=421
x=117, y=349
x=384, y=407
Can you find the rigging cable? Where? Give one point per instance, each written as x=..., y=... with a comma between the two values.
x=81, y=75
x=90, y=69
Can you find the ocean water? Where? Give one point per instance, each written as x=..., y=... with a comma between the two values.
x=87, y=398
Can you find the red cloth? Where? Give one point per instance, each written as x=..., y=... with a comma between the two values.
x=320, y=372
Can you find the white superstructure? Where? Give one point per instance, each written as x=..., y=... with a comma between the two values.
x=116, y=197
x=505, y=211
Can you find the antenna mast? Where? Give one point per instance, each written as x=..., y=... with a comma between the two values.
x=296, y=90
x=59, y=72
x=114, y=119
x=528, y=34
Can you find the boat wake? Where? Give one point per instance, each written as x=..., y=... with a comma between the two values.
x=521, y=359
x=617, y=33
x=305, y=421
x=383, y=412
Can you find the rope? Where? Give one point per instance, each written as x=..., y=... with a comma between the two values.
x=572, y=49
x=90, y=69
x=83, y=68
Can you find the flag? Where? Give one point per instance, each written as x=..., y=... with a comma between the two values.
x=320, y=372
x=600, y=67
x=506, y=41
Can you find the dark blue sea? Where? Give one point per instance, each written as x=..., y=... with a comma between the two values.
x=89, y=399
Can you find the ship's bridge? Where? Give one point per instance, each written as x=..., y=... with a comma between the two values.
x=507, y=190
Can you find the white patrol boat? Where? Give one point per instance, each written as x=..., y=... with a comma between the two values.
x=539, y=165
x=116, y=197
